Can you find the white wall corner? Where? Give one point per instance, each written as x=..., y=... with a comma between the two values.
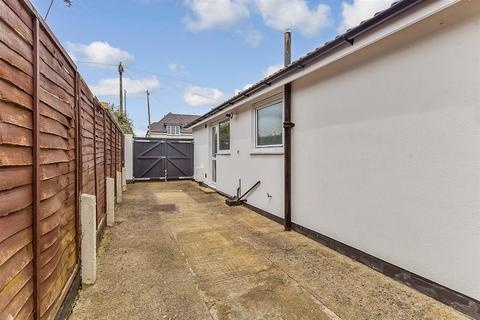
x=110, y=183
x=88, y=219
x=129, y=156
x=118, y=186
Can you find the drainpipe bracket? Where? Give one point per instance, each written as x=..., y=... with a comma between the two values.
x=288, y=124
x=232, y=202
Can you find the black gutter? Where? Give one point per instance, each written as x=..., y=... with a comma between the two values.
x=347, y=38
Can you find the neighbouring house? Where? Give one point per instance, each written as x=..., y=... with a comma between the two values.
x=172, y=126
x=369, y=144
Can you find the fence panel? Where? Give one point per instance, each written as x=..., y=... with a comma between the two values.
x=114, y=152
x=16, y=159
x=100, y=163
x=87, y=113
x=118, y=146
x=57, y=209
x=108, y=131
x=56, y=141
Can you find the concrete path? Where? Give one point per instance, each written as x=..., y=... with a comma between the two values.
x=177, y=252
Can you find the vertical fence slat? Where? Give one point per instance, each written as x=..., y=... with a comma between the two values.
x=112, y=154
x=78, y=165
x=36, y=168
x=116, y=156
x=95, y=154
x=105, y=174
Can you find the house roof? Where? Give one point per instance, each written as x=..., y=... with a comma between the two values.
x=173, y=119
x=298, y=65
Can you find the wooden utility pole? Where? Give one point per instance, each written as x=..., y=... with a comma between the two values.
x=120, y=72
x=148, y=108
x=125, y=100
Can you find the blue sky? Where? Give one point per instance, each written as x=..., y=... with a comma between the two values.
x=191, y=54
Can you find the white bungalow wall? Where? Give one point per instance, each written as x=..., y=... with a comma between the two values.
x=242, y=163
x=386, y=150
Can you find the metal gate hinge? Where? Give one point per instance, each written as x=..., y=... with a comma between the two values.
x=288, y=124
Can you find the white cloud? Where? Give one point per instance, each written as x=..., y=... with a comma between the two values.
x=214, y=13
x=178, y=69
x=110, y=86
x=294, y=14
x=360, y=10
x=224, y=14
x=98, y=52
x=248, y=85
x=277, y=14
x=271, y=70
x=202, y=96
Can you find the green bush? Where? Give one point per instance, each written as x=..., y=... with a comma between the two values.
x=123, y=120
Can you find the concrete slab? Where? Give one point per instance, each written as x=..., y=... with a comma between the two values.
x=205, y=260
x=124, y=180
x=110, y=190
x=118, y=186
x=88, y=219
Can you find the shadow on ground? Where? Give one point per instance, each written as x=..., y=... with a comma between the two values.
x=178, y=252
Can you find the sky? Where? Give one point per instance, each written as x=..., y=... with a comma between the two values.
x=191, y=54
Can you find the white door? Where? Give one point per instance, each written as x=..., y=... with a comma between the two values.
x=214, y=149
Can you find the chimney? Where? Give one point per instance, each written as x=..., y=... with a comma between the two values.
x=288, y=47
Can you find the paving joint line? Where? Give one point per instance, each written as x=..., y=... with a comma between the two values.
x=328, y=311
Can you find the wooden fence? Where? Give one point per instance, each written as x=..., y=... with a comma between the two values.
x=56, y=142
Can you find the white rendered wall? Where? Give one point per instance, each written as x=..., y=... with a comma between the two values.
x=386, y=150
x=170, y=136
x=129, y=156
x=201, y=154
x=240, y=163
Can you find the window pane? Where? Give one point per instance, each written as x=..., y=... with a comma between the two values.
x=173, y=130
x=224, y=135
x=214, y=141
x=269, y=125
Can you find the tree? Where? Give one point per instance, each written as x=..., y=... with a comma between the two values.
x=67, y=2
x=123, y=120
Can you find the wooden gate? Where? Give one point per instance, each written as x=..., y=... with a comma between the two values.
x=162, y=159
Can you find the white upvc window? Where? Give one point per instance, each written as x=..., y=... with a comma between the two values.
x=173, y=130
x=224, y=136
x=269, y=125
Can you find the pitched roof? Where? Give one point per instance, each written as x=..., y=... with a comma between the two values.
x=298, y=65
x=174, y=119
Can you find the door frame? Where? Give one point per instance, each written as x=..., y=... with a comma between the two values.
x=213, y=153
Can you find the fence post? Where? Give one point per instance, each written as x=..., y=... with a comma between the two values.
x=36, y=168
x=114, y=160
x=124, y=173
x=105, y=158
x=78, y=166
x=88, y=208
x=95, y=150
x=110, y=204
x=112, y=154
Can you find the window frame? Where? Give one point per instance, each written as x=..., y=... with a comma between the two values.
x=264, y=106
x=224, y=151
x=176, y=128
